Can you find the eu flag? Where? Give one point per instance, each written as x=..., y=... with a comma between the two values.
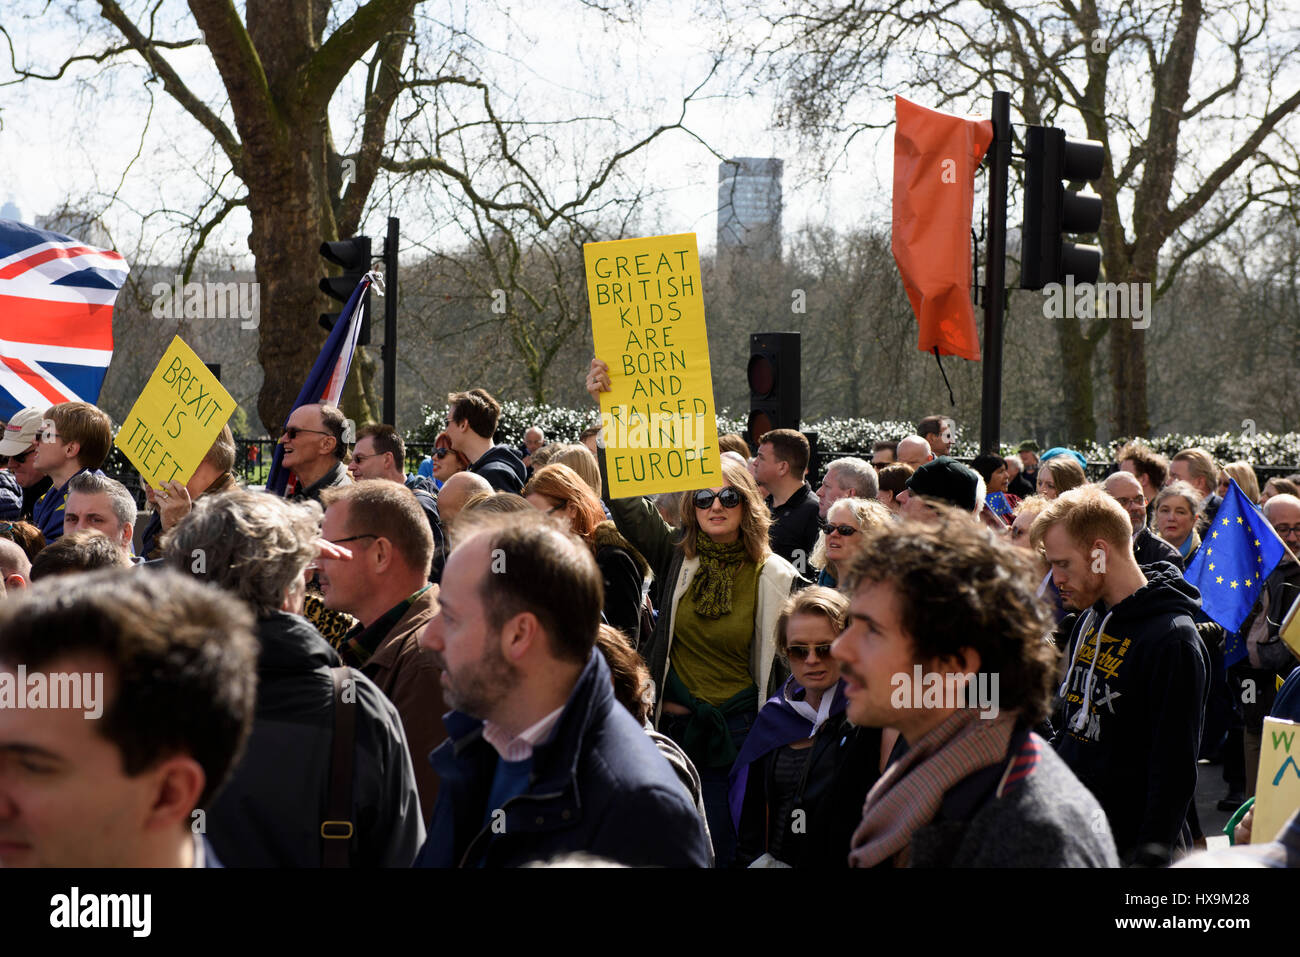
x=1239, y=551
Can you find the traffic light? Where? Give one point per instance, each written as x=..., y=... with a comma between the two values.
x=354, y=256
x=774, y=387
x=1051, y=210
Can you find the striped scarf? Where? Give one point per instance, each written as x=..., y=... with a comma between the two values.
x=909, y=793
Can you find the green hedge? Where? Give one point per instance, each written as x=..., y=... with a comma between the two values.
x=563, y=424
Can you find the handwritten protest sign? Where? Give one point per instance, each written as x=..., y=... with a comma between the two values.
x=647, y=320
x=178, y=415
x=1277, y=789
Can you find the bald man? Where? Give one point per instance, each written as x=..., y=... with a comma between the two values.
x=1148, y=549
x=15, y=569
x=455, y=492
x=914, y=451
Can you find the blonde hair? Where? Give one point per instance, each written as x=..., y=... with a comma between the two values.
x=580, y=459
x=1245, y=476
x=1088, y=514
x=1066, y=472
x=1200, y=464
x=563, y=486
x=868, y=512
x=813, y=600
x=754, y=519
x=1033, y=504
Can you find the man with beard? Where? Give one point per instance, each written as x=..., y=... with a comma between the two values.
x=541, y=759
x=1132, y=704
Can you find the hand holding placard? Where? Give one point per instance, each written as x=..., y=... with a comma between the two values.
x=656, y=393
x=174, y=422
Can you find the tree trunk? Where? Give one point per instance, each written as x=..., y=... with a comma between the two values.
x=1128, y=365
x=285, y=242
x=1077, y=353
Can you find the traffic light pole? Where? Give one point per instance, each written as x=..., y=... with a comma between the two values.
x=390, y=322
x=995, y=268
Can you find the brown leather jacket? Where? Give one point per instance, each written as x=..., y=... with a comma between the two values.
x=406, y=673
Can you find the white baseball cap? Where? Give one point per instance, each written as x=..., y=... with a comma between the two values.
x=21, y=431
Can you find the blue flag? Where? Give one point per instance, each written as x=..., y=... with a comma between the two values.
x=1239, y=551
x=325, y=382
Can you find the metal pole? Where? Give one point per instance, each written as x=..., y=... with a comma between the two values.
x=995, y=268
x=390, y=323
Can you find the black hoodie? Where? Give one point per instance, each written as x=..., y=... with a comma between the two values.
x=1135, y=745
x=502, y=469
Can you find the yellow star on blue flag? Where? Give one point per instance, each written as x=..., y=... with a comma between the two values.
x=1246, y=550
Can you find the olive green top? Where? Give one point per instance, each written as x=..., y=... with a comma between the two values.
x=711, y=655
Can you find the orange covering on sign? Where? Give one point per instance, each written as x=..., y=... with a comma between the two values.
x=935, y=158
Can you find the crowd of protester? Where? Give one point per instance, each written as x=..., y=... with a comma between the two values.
x=489, y=661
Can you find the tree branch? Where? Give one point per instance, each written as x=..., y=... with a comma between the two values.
x=172, y=83
x=345, y=46
x=1193, y=203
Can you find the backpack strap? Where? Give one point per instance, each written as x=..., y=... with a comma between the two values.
x=337, y=829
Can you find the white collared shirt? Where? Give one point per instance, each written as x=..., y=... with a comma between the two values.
x=520, y=747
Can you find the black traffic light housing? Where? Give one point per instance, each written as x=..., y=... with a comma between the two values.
x=774, y=383
x=1051, y=210
x=354, y=256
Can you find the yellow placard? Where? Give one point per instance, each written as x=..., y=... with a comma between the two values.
x=647, y=322
x=1277, y=789
x=178, y=415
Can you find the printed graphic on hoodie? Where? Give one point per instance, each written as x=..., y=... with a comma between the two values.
x=1090, y=687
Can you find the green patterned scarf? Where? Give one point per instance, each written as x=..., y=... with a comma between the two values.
x=711, y=589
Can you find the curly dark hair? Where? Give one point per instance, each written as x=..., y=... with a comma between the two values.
x=960, y=587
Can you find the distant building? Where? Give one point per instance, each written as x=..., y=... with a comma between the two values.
x=749, y=207
x=11, y=211
x=77, y=223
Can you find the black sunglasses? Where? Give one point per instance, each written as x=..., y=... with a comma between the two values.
x=293, y=430
x=729, y=496
x=845, y=530
x=441, y=453
x=800, y=652
x=20, y=458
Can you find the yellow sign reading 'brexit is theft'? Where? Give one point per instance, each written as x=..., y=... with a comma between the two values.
x=647, y=322
x=178, y=415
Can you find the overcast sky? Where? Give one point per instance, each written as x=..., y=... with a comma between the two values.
x=82, y=136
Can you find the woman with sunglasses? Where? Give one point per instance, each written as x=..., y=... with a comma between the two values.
x=714, y=647
x=846, y=519
x=790, y=759
x=446, y=460
x=560, y=492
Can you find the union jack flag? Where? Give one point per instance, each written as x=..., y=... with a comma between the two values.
x=325, y=381
x=56, y=317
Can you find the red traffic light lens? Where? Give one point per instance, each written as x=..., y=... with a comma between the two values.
x=762, y=375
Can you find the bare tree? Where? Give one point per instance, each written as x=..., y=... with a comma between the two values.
x=281, y=67
x=1181, y=93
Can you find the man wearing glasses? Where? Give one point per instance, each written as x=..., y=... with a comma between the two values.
x=314, y=449
x=18, y=450
x=1148, y=549
x=380, y=453
x=384, y=585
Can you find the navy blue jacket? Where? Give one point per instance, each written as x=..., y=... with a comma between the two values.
x=11, y=497
x=48, y=513
x=598, y=785
x=502, y=469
